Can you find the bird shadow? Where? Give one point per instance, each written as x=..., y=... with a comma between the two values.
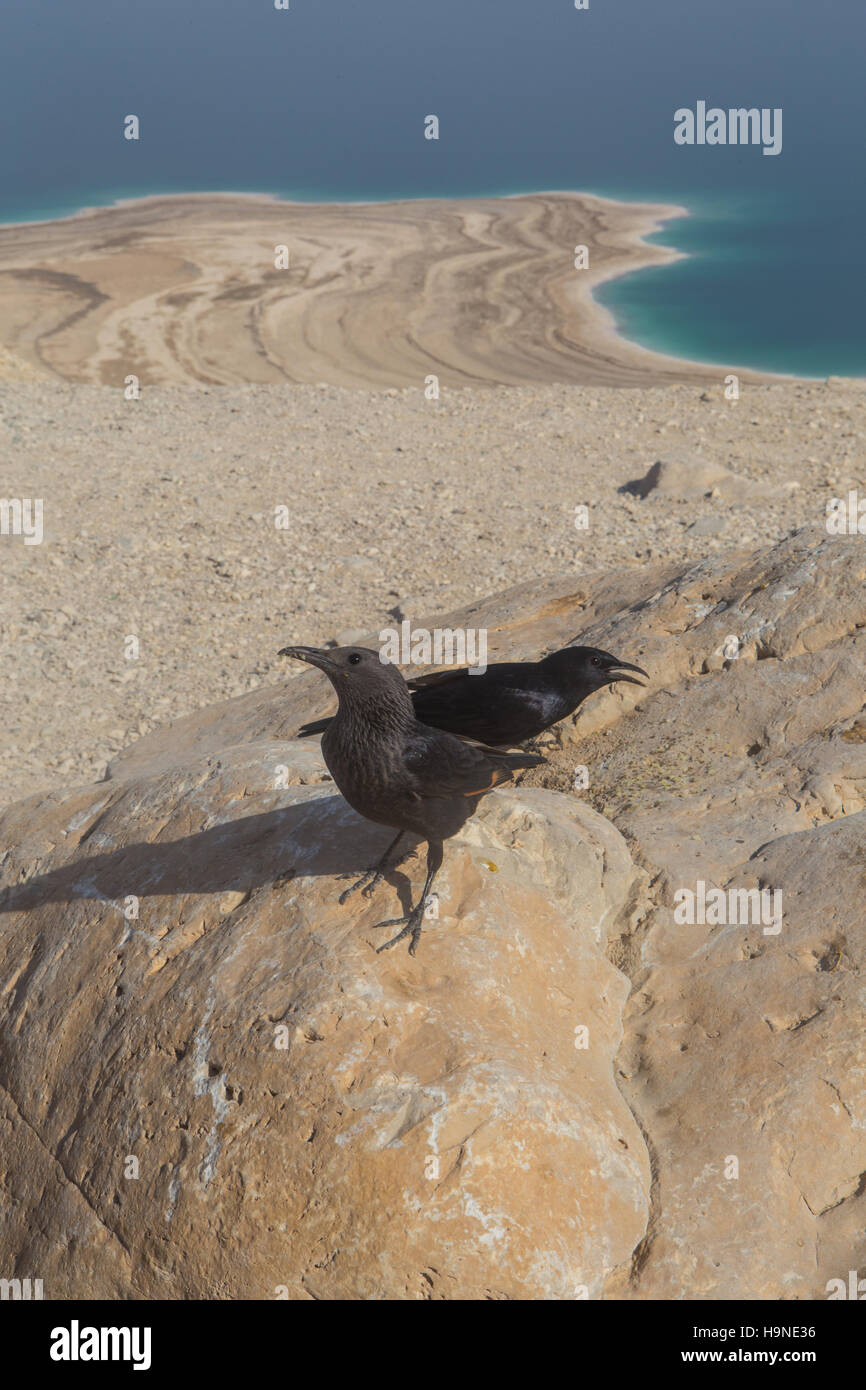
x=313, y=839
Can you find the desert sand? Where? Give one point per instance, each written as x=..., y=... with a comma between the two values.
x=185, y=290
x=160, y=522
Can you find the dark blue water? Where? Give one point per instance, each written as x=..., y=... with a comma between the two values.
x=327, y=101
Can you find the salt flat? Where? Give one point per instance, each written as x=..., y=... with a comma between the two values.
x=477, y=291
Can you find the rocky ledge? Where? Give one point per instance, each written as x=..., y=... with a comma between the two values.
x=212, y=1087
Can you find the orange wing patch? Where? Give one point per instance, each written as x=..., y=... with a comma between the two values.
x=500, y=774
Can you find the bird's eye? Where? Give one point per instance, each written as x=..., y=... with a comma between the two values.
x=354, y=659
x=595, y=661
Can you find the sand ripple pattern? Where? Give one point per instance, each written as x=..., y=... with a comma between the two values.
x=184, y=290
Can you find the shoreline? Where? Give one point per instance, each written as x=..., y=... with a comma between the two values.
x=99, y=325
x=210, y=195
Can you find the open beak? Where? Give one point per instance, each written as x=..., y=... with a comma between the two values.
x=616, y=669
x=314, y=656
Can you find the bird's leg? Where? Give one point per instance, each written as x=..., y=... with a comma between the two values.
x=414, y=918
x=370, y=879
x=550, y=740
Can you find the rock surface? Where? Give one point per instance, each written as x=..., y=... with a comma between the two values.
x=309, y=1119
x=431, y=1130
x=743, y=1051
x=687, y=477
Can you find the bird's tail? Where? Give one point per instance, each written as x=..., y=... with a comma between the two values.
x=316, y=726
x=515, y=761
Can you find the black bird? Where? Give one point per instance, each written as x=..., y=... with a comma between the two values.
x=397, y=771
x=511, y=701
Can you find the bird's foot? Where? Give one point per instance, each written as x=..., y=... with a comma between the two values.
x=411, y=927
x=368, y=883
x=371, y=878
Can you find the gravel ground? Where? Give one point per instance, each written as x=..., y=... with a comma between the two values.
x=159, y=524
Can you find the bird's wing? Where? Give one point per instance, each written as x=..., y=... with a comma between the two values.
x=511, y=758
x=507, y=672
x=505, y=705
x=438, y=678
x=442, y=765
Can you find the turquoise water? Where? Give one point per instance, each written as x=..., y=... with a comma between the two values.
x=326, y=102
x=749, y=293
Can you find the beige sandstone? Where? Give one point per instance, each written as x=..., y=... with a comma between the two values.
x=429, y=1129
x=307, y=1168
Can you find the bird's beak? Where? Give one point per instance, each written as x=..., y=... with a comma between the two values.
x=314, y=656
x=614, y=673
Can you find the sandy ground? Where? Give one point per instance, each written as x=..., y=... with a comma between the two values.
x=160, y=514
x=159, y=523
x=185, y=290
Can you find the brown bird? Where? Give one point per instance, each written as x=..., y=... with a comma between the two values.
x=397, y=771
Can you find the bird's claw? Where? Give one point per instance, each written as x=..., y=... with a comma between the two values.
x=371, y=878
x=412, y=928
x=367, y=883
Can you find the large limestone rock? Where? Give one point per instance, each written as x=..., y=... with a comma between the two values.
x=743, y=1048
x=184, y=999
x=745, y=1058
x=431, y=1130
